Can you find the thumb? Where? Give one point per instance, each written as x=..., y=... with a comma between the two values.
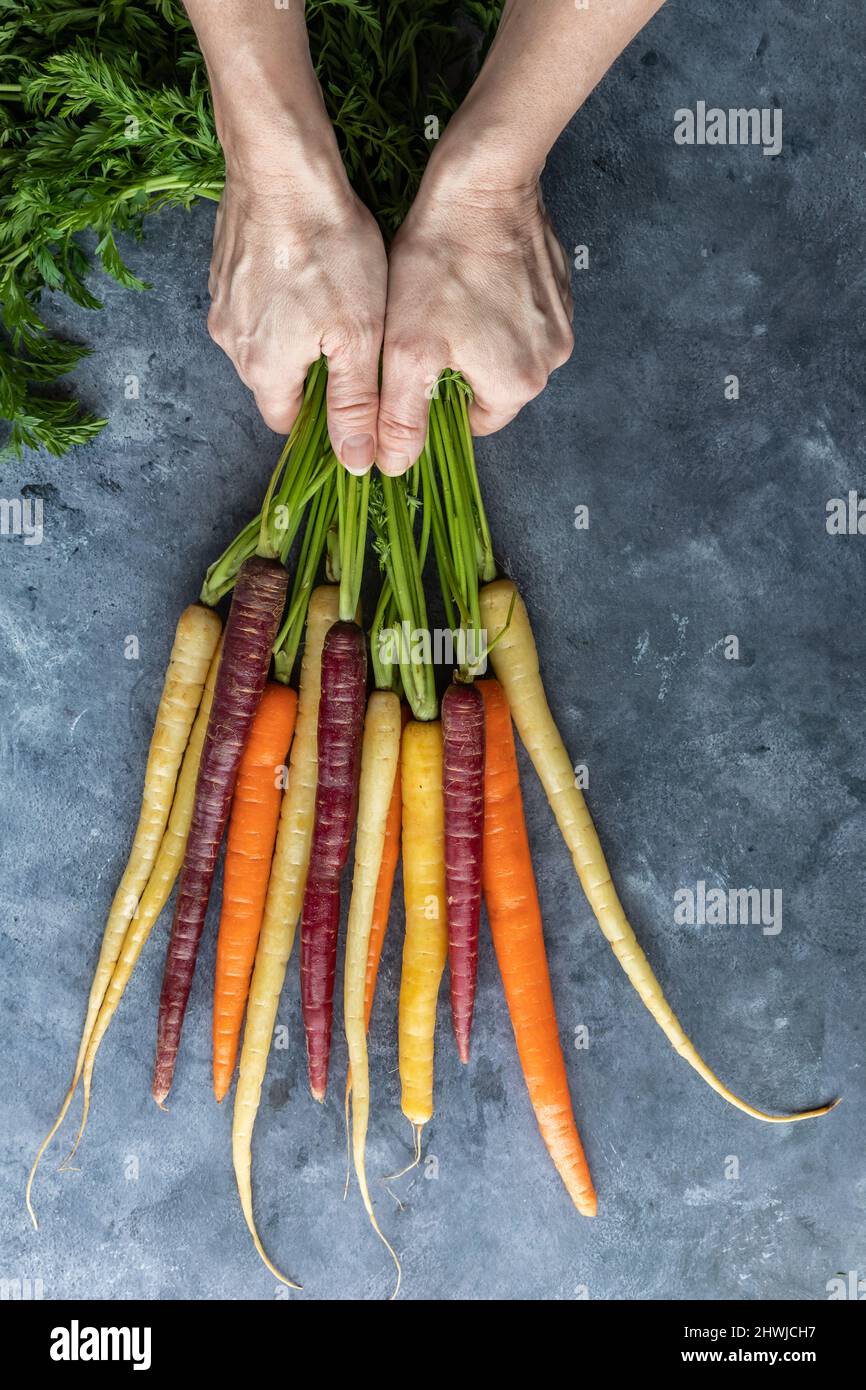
x=408, y=380
x=353, y=405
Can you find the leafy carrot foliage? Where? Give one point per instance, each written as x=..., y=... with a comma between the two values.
x=105, y=118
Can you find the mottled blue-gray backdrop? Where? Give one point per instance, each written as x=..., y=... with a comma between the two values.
x=707, y=519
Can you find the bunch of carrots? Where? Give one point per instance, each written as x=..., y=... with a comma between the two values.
x=288, y=777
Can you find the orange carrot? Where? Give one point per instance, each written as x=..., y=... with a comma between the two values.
x=252, y=831
x=515, y=923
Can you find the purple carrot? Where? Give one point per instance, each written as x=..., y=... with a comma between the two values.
x=257, y=606
x=341, y=726
x=463, y=793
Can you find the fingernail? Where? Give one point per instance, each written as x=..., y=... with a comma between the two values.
x=357, y=452
x=393, y=464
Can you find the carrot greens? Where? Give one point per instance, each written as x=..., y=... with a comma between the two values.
x=106, y=118
x=400, y=635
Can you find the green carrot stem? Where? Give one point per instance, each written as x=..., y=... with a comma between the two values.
x=459, y=398
x=433, y=510
x=458, y=514
x=409, y=600
x=288, y=640
x=462, y=534
x=333, y=566
x=221, y=575
x=296, y=464
x=353, y=495
x=303, y=465
x=386, y=674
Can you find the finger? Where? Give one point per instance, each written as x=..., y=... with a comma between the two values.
x=483, y=421
x=278, y=385
x=353, y=402
x=409, y=374
x=496, y=406
x=279, y=405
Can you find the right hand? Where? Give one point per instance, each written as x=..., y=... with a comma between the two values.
x=299, y=269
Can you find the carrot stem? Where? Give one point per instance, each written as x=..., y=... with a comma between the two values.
x=304, y=465
x=353, y=495
x=318, y=523
x=391, y=514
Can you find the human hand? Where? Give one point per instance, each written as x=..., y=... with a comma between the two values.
x=477, y=281
x=299, y=269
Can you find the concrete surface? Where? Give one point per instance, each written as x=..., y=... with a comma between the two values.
x=707, y=519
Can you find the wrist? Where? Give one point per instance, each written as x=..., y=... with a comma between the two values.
x=269, y=111
x=284, y=153
x=281, y=153
x=481, y=161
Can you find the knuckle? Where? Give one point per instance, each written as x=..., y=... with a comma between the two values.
x=357, y=340
x=352, y=403
x=277, y=397
x=216, y=326
x=531, y=381
x=277, y=415
x=564, y=346
x=254, y=365
x=408, y=351
x=350, y=389
x=398, y=427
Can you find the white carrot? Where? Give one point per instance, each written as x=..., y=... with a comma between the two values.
x=283, y=905
x=380, y=752
x=515, y=660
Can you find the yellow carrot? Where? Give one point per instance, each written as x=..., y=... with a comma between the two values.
x=380, y=752
x=159, y=886
x=426, y=943
x=515, y=661
x=195, y=641
x=283, y=905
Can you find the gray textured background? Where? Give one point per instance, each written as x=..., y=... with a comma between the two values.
x=707, y=518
